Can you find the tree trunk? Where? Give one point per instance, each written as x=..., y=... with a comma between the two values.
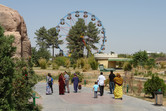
x=87, y=53
x=52, y=52
x=152, y=95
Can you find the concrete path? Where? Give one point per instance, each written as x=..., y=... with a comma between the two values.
x=84, y=101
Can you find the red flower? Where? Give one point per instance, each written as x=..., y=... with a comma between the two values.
x=25, y=74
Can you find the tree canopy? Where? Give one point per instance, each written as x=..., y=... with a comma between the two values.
x=47, y=39
x=80, y=37
x=140, y=58
x=16, y=78
x=6, y=71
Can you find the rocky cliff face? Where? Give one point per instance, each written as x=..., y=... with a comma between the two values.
x=14, y=25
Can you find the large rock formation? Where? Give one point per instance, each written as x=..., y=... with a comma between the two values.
x=14, y=25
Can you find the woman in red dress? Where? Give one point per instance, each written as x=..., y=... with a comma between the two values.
x=61, y=84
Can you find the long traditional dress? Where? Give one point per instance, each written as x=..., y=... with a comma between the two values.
x=118, y=92
x=48, y=89
x=61, y=85
x=75, y=81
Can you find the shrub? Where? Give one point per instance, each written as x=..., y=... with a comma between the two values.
x=153, y=84
x=93, y=63
x=67, y=63
x=162, y=65
x=16, y=78
x=49, y=63
x=43, y=63
x=79, y=75
x=60, y=61
x=6, y=71
x=81, y=62
x=55, y=66
x=24, y=80
x=127, y=66
x=78, y=63
x=74, y=66
x=41, y=53
x=86, y=67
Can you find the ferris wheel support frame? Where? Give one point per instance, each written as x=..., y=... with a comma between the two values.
x=73, y=20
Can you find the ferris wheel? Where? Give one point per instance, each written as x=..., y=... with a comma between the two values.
x=70, y=19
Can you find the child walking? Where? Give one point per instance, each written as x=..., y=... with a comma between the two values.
x=95, y=89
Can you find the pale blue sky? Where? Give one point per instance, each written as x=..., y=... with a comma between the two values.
x=131, y=25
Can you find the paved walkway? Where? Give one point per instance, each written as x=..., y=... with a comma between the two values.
x=84, y=101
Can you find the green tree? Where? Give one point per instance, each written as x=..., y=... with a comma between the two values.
x=41, y=53
x=124, y=55
x=23, y=82
x=41, y=37
x=44, y=53
x=153, y=84
x=157, y=55
x=16, y=78
x=140, y=58
x=35, y=56
x=52, y=39
x=75, y=42
x=92, y=37
x=81, y=37
x=150, y=63
x=6, y=71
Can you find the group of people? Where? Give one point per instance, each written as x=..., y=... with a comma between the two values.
x=63, y=83
x=115, y=83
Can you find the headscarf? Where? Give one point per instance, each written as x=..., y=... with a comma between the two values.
x=118, y=79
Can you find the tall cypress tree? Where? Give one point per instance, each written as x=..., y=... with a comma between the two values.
x=6, y=71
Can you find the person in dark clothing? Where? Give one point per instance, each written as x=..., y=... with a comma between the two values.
x=61, y=84
x=75, y=81
x=111, y=80
x=50, y=82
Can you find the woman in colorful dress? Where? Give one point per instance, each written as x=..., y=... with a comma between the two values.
x=61, y=84
x=48, y=88
x=118, y=92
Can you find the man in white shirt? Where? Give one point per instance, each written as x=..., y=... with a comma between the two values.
x=101, y=82
x=66, y=76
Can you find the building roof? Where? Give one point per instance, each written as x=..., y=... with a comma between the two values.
x=105, y=56
x=119, y=59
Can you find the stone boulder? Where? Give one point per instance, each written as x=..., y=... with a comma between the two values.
x=14, y=24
